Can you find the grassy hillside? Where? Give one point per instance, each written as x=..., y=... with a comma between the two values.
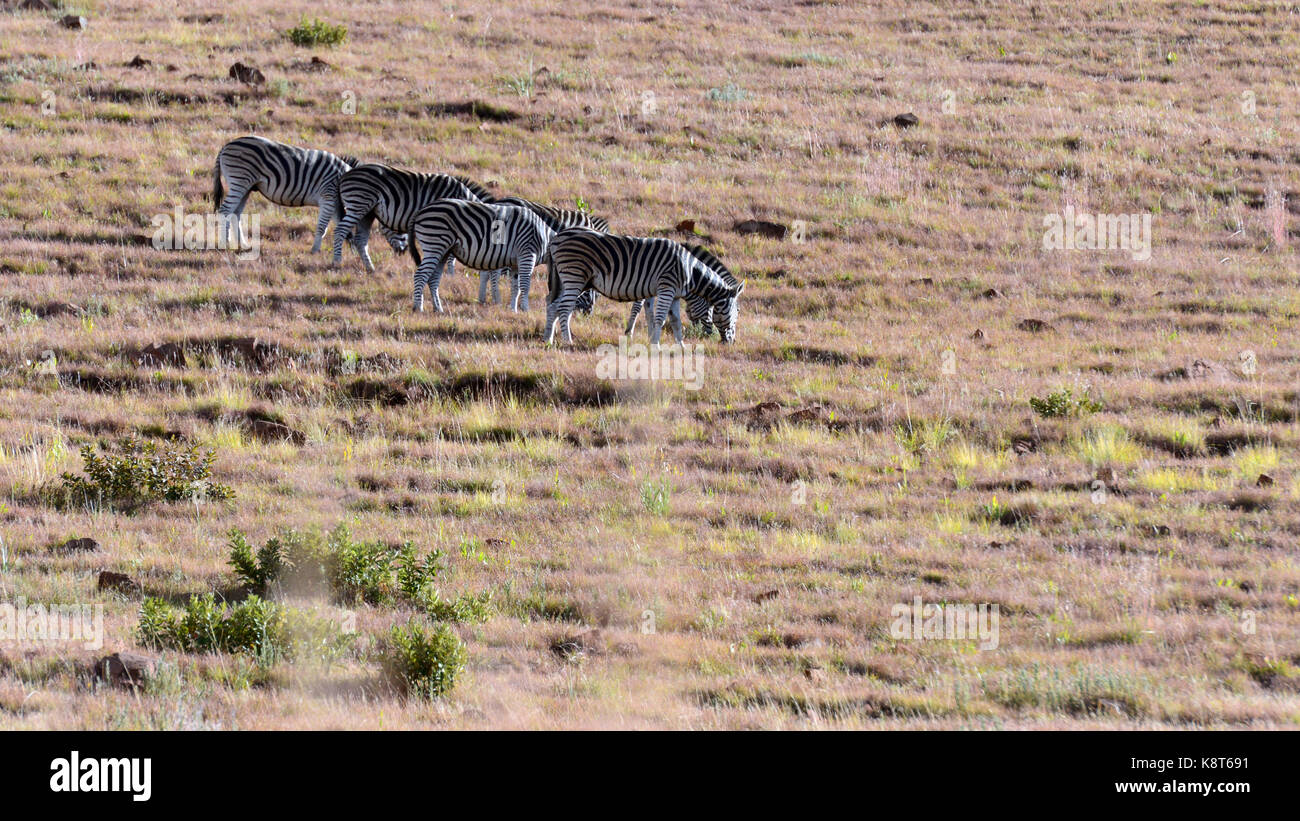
x=738, y=549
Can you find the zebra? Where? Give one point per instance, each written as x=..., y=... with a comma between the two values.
x=285, y=174
x=557, y=219
x=393, y=196
x=698, y=310
x=481, y=235
x=635, y=268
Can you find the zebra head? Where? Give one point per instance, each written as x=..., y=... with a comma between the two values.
x=396, y=239
x=724, y=313
x=586, y=302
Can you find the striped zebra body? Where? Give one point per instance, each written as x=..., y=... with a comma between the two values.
x=480, y=235
x=633, y=269
x=698, y=310
x=285, y=174
x=375, y=191
x=557, y=219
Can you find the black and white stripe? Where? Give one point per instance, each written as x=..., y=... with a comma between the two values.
x=557, y=219
x=637, y=268
x=285, y=174
x=480, y=235
x=698, y=310
x=375, y=191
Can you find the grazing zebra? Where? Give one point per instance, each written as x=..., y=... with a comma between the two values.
x=557, y=219
x=393, y=196
x=481, y=235
x=285, y=174
x=636, y=268
x=698, y=309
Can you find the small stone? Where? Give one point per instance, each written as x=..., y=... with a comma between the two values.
x=906, y=120
x=108, y=580
x=1106, y=475
x=773, y=230
x=766, y=595
x=131, y=670
x=81, y=545
x=73, y=21
x=1034, y=326
x=158, y=354
x=686, y=226
x=248, y=75
x=979, y=334
x=1264, y=480
x=139, y=62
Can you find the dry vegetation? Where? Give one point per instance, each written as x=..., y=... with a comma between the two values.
x=616, y=499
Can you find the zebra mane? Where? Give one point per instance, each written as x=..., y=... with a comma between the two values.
x=477, y=190
x=351, y=161
x=704, y=255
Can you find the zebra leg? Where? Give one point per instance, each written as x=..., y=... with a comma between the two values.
x=342, y=231
x=675, y=317
x=483, y=277
x=559, y=310
x=230, y=204
x=663, y=302
x=361, y=241
x=524, y=280
x=496, y=286
x=322, y=224
x=637, y=304
x=436, y=262
x=424, y=272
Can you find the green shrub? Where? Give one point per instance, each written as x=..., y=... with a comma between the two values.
x=464, y=608
x=317, y=32
x=138, y=473
x=424, y=661
x=263, y=629
x=656, y=496
x=1064, y=403
x=354, y=571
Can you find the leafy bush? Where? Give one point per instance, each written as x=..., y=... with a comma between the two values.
x=424, y=661
x=464, y=608
x=257, y=627
x=1064, y=403
x=317, y=32
x=354, y=571
x=138, y=473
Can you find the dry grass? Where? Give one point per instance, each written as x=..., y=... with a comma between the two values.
x=620, y=499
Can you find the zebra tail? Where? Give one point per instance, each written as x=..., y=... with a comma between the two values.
x=218, y=191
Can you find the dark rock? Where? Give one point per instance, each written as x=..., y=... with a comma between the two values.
x=1264, y=480
x=34, y=5
x=248, y=75
x=203, y=18
x=979, y=334
x=574, y=648
x=766, y=595
x=82, y=545
x=991, y=293
x=764, y=228
x=75, y=22
x=161, y=354
x=686, y=226
x=1034, y=326
x=906, y=120
x=131, y=670
x=108, y=580
x=139, y=62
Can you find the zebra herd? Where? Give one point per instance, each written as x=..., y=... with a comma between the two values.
x=442, y=219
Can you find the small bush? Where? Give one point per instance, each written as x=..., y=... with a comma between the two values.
x=1064, y=403
x=263, y=629
x=424, y=661
x=138, y=473
x=354, y=571
x=317, y=32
